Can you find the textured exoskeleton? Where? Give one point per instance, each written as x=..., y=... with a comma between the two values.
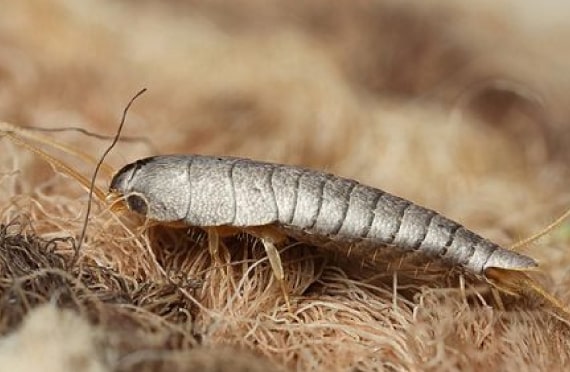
x=209, y=191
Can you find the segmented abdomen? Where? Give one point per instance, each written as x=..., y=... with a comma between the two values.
x=242, y=192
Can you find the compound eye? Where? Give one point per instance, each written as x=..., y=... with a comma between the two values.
x=137, y=204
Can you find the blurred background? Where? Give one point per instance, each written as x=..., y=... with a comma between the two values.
x=458, y=106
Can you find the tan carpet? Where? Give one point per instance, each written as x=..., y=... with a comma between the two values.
x=460, y=108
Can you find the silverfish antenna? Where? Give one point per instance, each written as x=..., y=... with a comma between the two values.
x=94, y=177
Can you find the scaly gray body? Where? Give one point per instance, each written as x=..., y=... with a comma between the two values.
x=209, y=191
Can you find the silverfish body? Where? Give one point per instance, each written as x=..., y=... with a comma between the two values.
x=208, y=191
